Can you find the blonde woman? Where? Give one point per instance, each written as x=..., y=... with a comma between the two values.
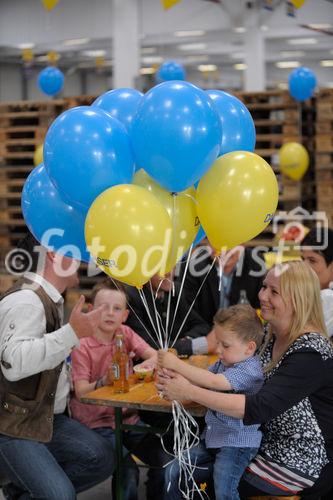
x=295, y=405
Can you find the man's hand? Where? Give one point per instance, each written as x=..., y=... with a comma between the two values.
x=167, y=360
x=85, y=324
x=173, y=386
x=184, y=346
x=211, y=342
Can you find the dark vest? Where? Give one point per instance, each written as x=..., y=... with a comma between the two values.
x=26, y=409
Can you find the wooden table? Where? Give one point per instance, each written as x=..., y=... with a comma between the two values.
x=141, y=396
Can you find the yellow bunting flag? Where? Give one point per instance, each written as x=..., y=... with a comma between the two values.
x=297, y=3
x=49, y=4
x=167, y=4
x=53, y=57
x=27, y=55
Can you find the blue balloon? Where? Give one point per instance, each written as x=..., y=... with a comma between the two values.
x=122, y=104
x=86, y=151
x=53, y=223
x=176, y=134
x=51, y=80
x=170, y=70
x=238, y=130
x=302, y=82
x=199, y=237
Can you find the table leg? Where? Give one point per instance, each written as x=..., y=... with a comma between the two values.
x=119, y=454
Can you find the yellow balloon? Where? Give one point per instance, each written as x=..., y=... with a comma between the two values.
x=294, y=160
x=38, y=155
x=128, y=233
x=182, y=210
x=298, y=3
x=237, y=198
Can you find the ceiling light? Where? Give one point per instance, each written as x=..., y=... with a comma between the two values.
x=328, y=63
x=147, y=71
x=197, y=59
x=76, y=41
x=302, y=41
x=192, y=46
x=207, y=67
x=190, y=33
x=152, y=59
x=239, y=29
x=240, y=66
x=287, y=64
x=94, y=53
x=23, y=46
x=264, y=27
x=292, y=53
x=148, y=50
x=237, y=55
x=320, y=26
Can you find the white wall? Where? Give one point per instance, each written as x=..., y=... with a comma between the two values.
x=10, y=83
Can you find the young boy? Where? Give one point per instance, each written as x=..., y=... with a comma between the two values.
x=227, y=443
x=90, y=363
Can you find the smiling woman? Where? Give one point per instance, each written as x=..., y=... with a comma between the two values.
x=295, y=405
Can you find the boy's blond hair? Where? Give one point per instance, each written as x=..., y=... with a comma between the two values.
x=243, y=320
x=107, y=284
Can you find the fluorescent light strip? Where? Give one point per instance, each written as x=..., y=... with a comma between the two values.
x=76, y=41
x=189, y=33
x=287, y=64
x=302, y=41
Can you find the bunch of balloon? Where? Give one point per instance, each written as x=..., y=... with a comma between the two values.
x=176, y=134
x=51, y=80
x=302, y=83
x=294, y=160
x=182, y=211
x=237, y=199
x=238, y=130
x=56, y=224
x=38, y=155
x=128, y=233
x=170, y=70
x=87, y=151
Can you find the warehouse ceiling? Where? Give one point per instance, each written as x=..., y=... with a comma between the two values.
x=194, y=32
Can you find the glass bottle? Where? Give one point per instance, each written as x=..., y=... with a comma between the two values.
x=120, y=366
x=243, y=297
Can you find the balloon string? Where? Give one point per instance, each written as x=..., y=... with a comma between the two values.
x=186, y=436
x=195, y=298
x=167, y=336
x=159, y=321
x=193, y=198
x=136, y=315
x=157, y=317
x=181, y=287
x=145, y=304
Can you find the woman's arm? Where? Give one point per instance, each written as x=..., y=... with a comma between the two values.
x=197, y=376
x=300, y=374
x=176, y=387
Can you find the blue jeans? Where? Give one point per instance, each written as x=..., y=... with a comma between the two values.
x=74, y=460
x=147, y=447
x=225, y=464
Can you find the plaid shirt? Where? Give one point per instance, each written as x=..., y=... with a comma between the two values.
x=245, y=377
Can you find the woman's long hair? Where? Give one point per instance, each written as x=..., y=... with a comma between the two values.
x=299, y=284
